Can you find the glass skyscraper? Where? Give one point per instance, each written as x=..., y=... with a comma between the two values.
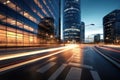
x=111, y=27
x=20, y=19
x=72, y=20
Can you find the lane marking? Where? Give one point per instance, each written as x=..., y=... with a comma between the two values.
x=57, y=72
x=74, y=74
x=80, y=65
x=109, y=59
x=46, y=67
x=95, y=75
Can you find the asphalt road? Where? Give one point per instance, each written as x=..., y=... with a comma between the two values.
x=72, y=62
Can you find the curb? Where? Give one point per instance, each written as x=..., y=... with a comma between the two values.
x=108, y=58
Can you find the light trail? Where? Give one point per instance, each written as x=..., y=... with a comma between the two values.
x=31, y=61
x=11, y=56
x=117, y=46
x=110, y=49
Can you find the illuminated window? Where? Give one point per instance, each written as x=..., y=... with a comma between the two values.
x=31, y=38
x=41, y=7
x=11, y=5
x=2, y=27
x=11, y=29
x=49, y=9
x=18, y=9
x=11, y=37
x=35, y=39
x=5, y=1
x=11, y=21
x=19, y=24
x=26, y=39
x=2, y=17
x=2, y=37
x=30, y=17
x=28, y=28
x=40, y=15
x=31, y=29
x=19, y=38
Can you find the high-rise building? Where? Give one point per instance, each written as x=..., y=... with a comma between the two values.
x=72, y=20
x=97, y=38
x=20, y=19
x=82, y=32
x=46, y=29
x=111, y=23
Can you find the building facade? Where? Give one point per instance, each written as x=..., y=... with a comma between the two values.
x=111, y=23
x=71, y=24
x=46, y=29
x=20, y=19
x=82, y=32
x=97, y=38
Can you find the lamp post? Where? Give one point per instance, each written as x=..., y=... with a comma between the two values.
x=88, y=26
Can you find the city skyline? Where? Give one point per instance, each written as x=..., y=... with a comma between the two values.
x=93, y=11
x=31, y=48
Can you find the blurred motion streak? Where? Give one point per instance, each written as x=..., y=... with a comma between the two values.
x=33, y=60
x=110, y=49
x=10, y=56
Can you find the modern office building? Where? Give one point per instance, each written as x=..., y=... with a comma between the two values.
x=82, y=32
x=20, y=21
x=97, y=38
x=46, y=30
x=72, y=20
x=111, y=23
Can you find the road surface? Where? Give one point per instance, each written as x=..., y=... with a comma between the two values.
x=70, y=62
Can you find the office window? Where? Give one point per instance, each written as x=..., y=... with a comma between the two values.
x=2, y=27
x=26, y=39
x=11, y=5
x=35, y=39
x=31, y=38
x=18, y=9
x=26, y=27
x=2, y=37
x=11, y=21
x=30, y=17
x=19, y=24
x=19, y=38
x=11, y=29
x=40, y=15
x=11, y=37
x=2, y=17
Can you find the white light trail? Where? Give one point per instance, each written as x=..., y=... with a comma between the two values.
x=31, y=61
x=10, y=56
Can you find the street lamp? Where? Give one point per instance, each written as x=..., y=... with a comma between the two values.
x=90, y=25
x=87, y=26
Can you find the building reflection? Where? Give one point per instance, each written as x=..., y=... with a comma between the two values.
x=46, y=30
x=23, y=24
